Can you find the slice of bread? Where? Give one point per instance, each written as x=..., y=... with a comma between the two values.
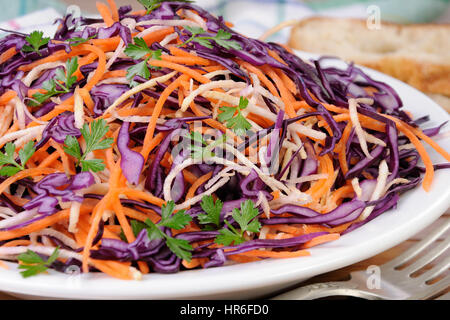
x=416, y=54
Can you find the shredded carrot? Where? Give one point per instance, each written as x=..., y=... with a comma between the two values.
x=321, y=239
x=114, y=11
x=87, y=99
x=41, y=224
x=158, y=107
x=190, y=61
x=197, y=184
x=105, y=13
x=7, y=97
x=180, y=68
x=8, y=54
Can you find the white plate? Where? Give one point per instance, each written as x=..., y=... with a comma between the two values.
x=416, y=210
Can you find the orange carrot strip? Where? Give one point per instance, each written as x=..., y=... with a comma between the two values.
x=8, y=54
x=41, y=224
x=422, y=136
x=101, y=68
x=114, y=10
x=193, y=264
x=14, y=243
x=114, y=74
x=429, y=169
x=105, y=13
x=56, y=56
x=119, y=210
x=286, y=95
x=261, y=76
x=190, y=61
x=321, y=239
x=136, y=194
x=191, y=192
x=87, y=99
x=157, y=36
x=68, y=168
x=180, y=68
x=7, y=97
x=98, y=211
x=49, y=160
x=342, y=156
x=158, y=107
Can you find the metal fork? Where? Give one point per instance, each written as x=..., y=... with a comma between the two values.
x=394, y=283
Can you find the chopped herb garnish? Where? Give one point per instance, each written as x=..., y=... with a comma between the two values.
x=212, y=211
x=222, y=38
x=180, y=247
x=234, y=118
x=35, y=41
x=33, y=264
x=151, y=5
x=76, y=41
x=136, y=227
x=247, y=219
x=137, y=51
x=199, y=147
x=7, y=158
x=95, y=140
x=62, y=83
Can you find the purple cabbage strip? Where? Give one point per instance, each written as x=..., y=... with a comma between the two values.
x=131, y=161
x=47, y=190
x=348, y=210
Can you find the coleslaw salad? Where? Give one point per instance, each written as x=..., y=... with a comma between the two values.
x=161, y=140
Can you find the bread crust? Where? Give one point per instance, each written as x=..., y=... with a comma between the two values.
x=421, y=72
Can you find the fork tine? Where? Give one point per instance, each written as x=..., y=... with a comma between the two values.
x=419, y=247
x=428, y=257
x=430, y=291
x=436, y=270
x=444, y=296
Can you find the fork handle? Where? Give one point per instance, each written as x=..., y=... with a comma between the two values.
x=325, y=289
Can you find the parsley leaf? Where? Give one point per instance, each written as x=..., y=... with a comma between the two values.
x=35, y=41
x=62, y=83
x=140, y=69
x=137, y=51
x=94, y=138
x=229, y=236
x=7, y=158
x=222, y=38
x=198, y=146
x=33, y=264
x=76, y=41
x=136, y=227
x=95, y=165
x=247, y=219
x=234, y=121
x=151, y=5
x=211, y=209
x=180, y=247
